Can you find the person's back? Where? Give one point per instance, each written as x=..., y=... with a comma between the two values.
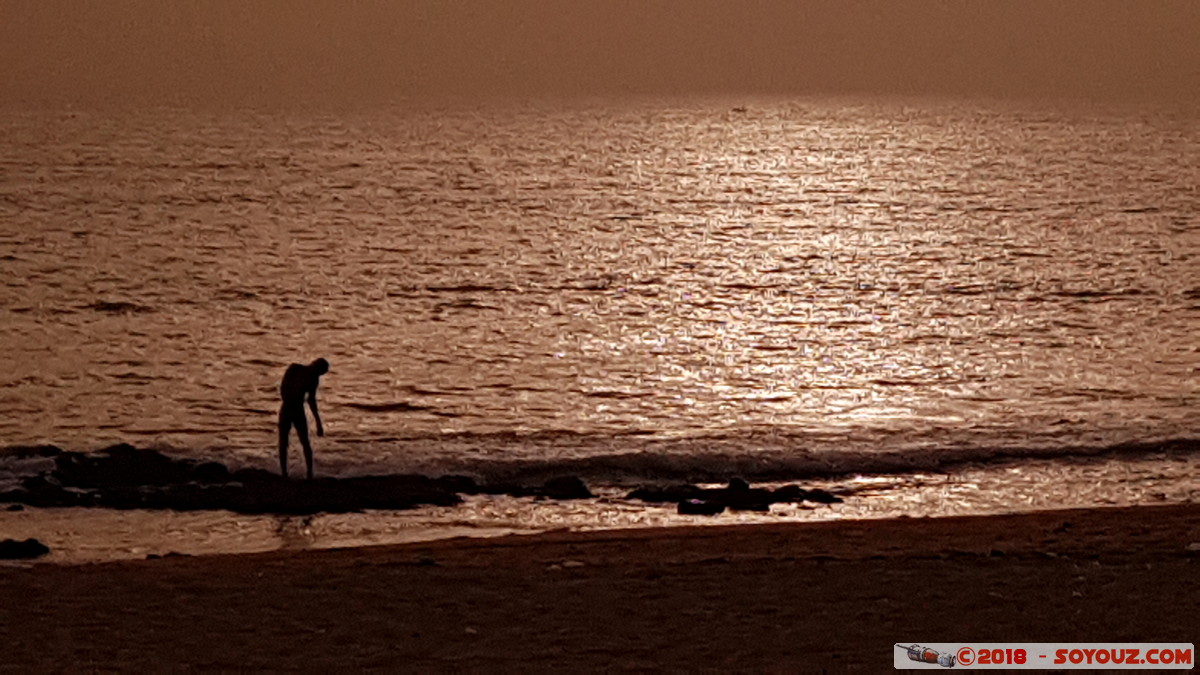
x=299, y=382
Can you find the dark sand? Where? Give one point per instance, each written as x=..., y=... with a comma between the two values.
x=801, y=597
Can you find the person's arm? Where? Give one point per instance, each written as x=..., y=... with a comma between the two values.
x=312, y=403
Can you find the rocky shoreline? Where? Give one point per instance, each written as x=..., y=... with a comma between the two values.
x=125, y=477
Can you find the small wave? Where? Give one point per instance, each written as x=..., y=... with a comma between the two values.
x=448, y=390
x=1099, y=293
x=743, y=286
x=984, y=288
x=464, y=304
x=613, y=394
x=163, y=431
x=468, y=288
x=134, y=378
x=235, y=294
x=398, y=406
x=118, y=307
x=719, y=466
x=653, y=465
x=259, y=411
x=765, y=347
x=896, y=383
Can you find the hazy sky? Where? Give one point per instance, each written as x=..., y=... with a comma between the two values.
x=361, y=52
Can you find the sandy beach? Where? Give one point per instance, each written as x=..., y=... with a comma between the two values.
x=807, y=597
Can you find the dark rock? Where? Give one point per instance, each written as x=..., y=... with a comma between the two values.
x=256, y=477
x=119, y=465
x=123, y=477
x=29, y=451
x=504, y=489
x=566, y=487
x=797, y=494
x=749, y=504
x=302, y=497
x=790, y=493
x=699, y=507
x=674, y=493
x=394, y=492
x=739, y=496
x=822, y=497
x=40, y=483
x=210, y=472
x=168, y=554
x=14, y=497
x=45, y=491
x=11, y=549
x=461, y=484
x=563, y=487
x=125, y=498
x=14, y=507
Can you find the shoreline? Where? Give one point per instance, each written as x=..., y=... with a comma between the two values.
x=123, y=503
x=834, y=594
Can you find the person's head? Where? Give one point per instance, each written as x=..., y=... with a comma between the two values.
x=321, y=366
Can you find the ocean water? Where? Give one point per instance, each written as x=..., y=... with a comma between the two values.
x=868, y=292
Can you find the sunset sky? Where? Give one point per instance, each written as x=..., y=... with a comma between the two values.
x=348, y=52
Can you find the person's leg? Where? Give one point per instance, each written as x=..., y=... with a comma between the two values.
x=301, y=423
x=285, y=422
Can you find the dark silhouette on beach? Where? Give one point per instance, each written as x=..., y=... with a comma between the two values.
x=299, y=381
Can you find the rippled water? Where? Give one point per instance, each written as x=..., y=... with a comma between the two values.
x=821, y=269
x=681, y=290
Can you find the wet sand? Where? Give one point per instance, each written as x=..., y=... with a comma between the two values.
x=801, y=597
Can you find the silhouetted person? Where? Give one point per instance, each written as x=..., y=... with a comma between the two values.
x=299, y=381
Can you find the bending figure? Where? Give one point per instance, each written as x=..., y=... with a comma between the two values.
x=299, y=381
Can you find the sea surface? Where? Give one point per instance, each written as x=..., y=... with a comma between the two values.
x=933, y=306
